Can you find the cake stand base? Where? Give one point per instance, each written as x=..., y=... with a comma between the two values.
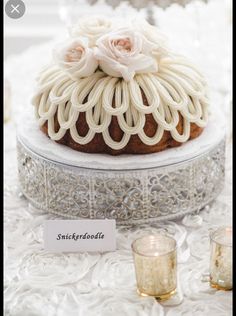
x=131, y=196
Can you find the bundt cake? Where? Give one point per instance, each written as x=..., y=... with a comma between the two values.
x=119, y=91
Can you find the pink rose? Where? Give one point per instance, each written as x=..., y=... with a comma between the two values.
x=124, y=53
x=76, y=58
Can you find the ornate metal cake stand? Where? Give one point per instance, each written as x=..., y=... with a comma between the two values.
x=135, y=196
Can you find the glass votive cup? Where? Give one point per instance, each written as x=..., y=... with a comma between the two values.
x=155, y=261
x=221, y=259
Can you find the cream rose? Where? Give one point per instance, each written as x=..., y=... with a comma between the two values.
x=92, y=28
x=124, y=53
x=152, y=34
x=76, y=58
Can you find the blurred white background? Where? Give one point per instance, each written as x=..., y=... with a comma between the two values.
x=199, y=27
x=46, y=19
x=40, y=22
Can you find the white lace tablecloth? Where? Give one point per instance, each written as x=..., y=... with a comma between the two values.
x=38, y=283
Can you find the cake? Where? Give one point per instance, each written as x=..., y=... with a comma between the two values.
x=119, y=90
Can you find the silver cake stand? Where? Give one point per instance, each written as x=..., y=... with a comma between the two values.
x=135, y=190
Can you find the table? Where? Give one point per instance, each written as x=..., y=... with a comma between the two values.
x=40, y=283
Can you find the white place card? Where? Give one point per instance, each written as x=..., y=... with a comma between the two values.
x=80, y=235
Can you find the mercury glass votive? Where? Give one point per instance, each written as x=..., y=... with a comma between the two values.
x=221, y=259
x=155, y=260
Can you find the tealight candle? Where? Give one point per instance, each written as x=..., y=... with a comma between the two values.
x=221, y=259
x=155, y=261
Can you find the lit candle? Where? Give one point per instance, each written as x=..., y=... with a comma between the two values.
x=221, y=259
x=155, y=263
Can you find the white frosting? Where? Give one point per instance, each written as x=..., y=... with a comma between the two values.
x=132, y=62
x=177, y=89
x=39, y=143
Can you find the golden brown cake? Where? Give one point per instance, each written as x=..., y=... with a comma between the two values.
x=120, y=91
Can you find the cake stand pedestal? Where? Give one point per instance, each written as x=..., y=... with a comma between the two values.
x=130, y=189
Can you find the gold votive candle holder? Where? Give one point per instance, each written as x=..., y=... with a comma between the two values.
x=155, y=261
x=221, y=259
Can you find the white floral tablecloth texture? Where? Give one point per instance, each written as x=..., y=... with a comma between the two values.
x=39, y=283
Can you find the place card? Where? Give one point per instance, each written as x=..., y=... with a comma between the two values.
x=80, y=235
